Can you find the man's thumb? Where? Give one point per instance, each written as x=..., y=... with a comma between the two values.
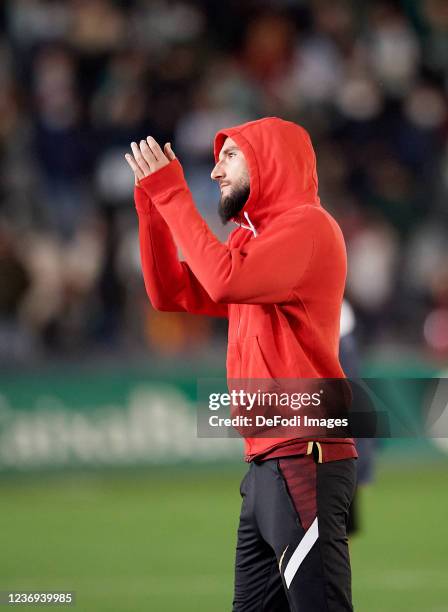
x=169, y=151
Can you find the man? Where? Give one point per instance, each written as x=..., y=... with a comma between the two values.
x=280, y=281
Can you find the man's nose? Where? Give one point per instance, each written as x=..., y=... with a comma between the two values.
x=217, y=172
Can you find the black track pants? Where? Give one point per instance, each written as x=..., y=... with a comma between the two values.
x=292, y=550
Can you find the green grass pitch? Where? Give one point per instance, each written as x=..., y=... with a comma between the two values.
x=163, y=540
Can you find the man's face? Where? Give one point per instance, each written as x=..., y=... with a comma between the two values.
x=233, y=177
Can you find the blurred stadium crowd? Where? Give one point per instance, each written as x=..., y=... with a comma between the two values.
x=80, y=79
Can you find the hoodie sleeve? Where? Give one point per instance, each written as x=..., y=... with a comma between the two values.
x=170, y=283
x=265, y=270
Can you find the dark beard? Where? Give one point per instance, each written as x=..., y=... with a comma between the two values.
x=231, y=205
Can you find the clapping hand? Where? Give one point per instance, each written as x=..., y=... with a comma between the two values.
x=147, y=157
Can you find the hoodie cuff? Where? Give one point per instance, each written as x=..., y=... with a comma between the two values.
x=142, y=201
x=162, y=185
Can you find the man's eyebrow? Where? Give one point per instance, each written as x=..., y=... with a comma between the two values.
x=229, y=149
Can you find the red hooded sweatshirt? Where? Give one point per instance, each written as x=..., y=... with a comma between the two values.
x=279, y=279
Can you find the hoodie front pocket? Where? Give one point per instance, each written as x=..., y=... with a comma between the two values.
x=254, y=363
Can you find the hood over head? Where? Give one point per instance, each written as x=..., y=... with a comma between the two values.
x=281, y=163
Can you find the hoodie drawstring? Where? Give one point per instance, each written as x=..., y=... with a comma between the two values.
x=250, y=226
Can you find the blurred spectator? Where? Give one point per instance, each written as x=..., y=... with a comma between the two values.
x=96, y=26
x=393, y=48
x=61, y=146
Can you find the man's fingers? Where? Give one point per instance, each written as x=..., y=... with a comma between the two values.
x=135, y=167
x=148, y=154
x=147, y=157
x=155, y=148
x=169, y=151
x=141, y=161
